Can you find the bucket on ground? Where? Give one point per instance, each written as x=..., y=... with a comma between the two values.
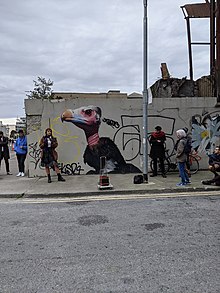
x=104, y=181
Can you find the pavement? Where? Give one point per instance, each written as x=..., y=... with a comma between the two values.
x=87, y=185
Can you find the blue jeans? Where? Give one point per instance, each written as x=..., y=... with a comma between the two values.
x=183, y=174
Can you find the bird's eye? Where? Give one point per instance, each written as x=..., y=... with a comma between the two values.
x=88, y=112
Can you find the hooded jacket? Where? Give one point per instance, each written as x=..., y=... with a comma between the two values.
x=21, y=141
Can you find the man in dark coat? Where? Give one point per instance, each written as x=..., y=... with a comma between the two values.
x=157, y=151
x=4, y=151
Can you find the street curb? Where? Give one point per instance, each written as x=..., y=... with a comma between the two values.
x=111, y=192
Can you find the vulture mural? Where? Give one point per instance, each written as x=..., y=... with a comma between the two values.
x=89, y=119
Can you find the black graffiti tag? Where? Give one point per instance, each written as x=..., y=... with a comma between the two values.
x=110, y=122
x=34, y=153
x=70, y=169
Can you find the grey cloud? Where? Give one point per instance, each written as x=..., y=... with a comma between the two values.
x=88, y=45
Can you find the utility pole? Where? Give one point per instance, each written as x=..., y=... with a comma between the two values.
x=145, y=97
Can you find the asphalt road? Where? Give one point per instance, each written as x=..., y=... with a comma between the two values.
x=148, y=245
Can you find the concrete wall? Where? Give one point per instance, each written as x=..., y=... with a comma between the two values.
x=121, y=121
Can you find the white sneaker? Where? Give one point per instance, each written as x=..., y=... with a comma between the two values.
x=22, y=174
x=19, y=174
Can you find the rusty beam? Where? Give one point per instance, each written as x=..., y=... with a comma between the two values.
x=198, y=10
x=218, y=50
x=212, y=37
x=164, y=71
x=189, y=48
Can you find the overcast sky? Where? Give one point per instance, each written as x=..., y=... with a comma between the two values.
x=92, y=46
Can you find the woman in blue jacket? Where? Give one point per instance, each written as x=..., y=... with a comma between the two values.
x=20, y=148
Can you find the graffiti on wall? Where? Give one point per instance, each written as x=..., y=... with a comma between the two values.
x=34, y=153
x=205, y=131
x=129, y=135
x=126, y=143
x=88, y=119
x=63, y=135
x=70, y=168
x=110, y=122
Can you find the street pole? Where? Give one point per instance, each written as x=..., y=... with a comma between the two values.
x=145, y=98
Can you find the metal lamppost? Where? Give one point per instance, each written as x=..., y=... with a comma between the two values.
x=145, y=97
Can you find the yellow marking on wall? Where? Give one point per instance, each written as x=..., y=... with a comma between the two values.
x=68, y=138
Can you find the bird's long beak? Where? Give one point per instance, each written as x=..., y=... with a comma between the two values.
x=67, y=115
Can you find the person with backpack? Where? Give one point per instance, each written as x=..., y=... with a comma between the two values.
x=181, y=157
x=188, y=149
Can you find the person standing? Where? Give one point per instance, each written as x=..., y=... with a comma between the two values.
x=181, y=157
x=157, y=151
x=188, y=149
x=4, y=152
x=20, y=148
x=214, y=167
x=214, y=161
x=49, y=156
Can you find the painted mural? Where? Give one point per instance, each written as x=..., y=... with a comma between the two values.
x=205, y=131
x=88, y=119
x=114, y=128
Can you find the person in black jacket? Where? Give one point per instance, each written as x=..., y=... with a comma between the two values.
x=4, y=152
x=49, y=156
x=157, y=151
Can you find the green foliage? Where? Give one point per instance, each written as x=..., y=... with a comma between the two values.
x=42, y=89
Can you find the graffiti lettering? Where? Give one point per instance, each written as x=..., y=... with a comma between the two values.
x=70, y=169
x=110, y=122
x=128, y=136
x=34, y=153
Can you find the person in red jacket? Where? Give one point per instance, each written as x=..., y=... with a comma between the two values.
x=157, y=151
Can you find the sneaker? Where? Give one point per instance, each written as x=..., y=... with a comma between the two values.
x=181, y=184
x=19, y=174
x=22, y=174
x=188, y=182
x=9, y=173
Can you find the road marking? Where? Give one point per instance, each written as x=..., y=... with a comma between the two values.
x=112, y=197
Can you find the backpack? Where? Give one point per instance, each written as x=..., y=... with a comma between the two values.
x=188, y=145
x=138, y=179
